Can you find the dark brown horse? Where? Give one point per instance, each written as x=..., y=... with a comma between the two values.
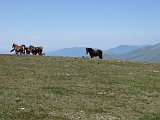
x=18, y=49
x=94, y=53
x=27, y=50
x=35, y=50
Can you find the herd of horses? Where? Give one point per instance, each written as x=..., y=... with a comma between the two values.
x=22, y=49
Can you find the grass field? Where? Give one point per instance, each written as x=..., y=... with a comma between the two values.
x=58, y=88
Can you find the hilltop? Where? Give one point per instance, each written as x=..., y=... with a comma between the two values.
x=60, y=88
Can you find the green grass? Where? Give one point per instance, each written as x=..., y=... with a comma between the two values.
x=38, y=87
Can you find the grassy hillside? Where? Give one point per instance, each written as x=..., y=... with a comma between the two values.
x=57, y=88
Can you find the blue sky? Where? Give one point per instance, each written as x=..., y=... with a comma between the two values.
x=56, y=24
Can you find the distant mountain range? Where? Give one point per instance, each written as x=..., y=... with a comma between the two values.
x=81, y=51
x=149, y=53
x=122, y=49
x=69, y=52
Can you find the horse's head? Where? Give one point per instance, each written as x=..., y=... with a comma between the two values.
x=88, y=50
x=14, y=45
x=23, y=46
x=31, y=48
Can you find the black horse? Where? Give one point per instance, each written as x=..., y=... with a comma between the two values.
x=94, y=53
x=35, y=50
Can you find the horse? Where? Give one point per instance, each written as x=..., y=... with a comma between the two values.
x=94, y=53
x=35, y=50
x=27, y=50
x=18, y=49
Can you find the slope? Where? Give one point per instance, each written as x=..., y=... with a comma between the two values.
x=59, y=88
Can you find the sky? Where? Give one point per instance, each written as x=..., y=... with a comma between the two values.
x=57, y=24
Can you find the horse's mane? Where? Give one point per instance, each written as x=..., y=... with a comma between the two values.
x=14, y=45
x=90, y=49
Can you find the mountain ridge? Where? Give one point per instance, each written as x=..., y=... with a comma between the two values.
x=148, y=53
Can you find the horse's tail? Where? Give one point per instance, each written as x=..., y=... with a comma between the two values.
x=41, y=48
x=101, y=55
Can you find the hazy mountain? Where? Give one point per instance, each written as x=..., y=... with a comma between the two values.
x=69, y=52
x=110, y=55
x=122, y=49
x=149, y=53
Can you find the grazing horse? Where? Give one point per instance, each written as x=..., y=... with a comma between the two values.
x=18, y=49
x=35, y=50
x=94, y=53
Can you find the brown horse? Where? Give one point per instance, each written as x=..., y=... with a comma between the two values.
x=35, y=50
x=94, y=53
x=18, y=49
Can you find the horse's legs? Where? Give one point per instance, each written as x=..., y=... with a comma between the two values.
x=91, y=55
x=34, y=53
x=40, y=53
x=22, y=53
x=16, y=51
